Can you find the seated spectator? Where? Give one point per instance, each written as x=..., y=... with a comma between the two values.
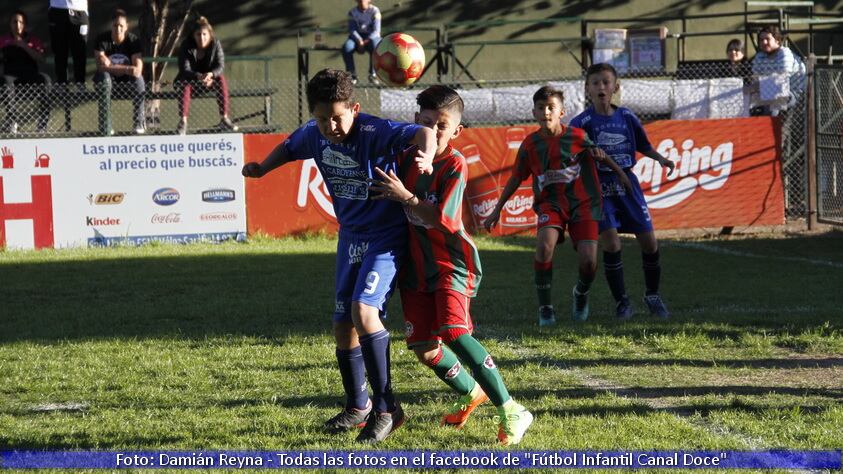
x=119, y=62
x=201, y=65
x=22, y=52
x=774, y=60
x=738, y=64
x=364, y=33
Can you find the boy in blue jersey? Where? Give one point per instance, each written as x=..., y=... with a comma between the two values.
x=618, y=132
x=347, y=146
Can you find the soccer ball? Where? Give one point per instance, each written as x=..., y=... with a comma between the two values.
x=399, y=59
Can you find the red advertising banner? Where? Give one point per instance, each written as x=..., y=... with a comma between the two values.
x=727, y=174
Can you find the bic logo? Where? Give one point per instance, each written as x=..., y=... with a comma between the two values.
x=106, y=198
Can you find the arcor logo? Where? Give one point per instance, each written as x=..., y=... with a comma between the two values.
x=703, y=167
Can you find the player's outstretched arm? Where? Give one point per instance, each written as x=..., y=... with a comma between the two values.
x=389, y=186
x=508, y=190
x=277, y=157
x=425, y=150
x=670, y=165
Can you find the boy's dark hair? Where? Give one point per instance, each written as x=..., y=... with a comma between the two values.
x=735, y=43
x=440, y=97
x=329, y=86
x=22, y=15
x=773, y=31
x=546, y=92
x=600, y=67
x=119, y=13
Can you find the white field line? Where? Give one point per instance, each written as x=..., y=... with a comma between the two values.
x=738, y=253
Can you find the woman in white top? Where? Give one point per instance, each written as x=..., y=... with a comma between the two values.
x=68, y=34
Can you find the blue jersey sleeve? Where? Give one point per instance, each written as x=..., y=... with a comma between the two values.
x=395, y=137
x=642, y=143
x=295, y=146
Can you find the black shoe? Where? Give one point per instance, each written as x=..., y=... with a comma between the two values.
x=623, y=309
x=380, y=425
x=347, y=419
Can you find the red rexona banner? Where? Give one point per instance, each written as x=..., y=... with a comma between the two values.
x=727, y=174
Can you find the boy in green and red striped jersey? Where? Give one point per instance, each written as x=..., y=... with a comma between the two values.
x=561, y=161
x=443, y=273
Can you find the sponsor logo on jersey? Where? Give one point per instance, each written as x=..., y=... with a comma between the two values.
x=368, y=128
x=106, y=198
x=166, y=197
x=453, y=371
x=488, y=362
x=171, y=218
x=706, y=167
x=101, y=221
x=218, y=195
x=563, y=176
x=357, y=251
x=335, y=159
x=349, y=188
x=609, y=139
x=218, y=216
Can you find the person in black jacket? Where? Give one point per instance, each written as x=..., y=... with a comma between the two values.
x=201, y=65
x=119, y=58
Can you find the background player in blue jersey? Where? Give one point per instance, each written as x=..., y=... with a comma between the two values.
x=347, y=146
x=618, y=132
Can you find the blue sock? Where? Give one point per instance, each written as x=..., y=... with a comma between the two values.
x=652, y=271
x=353, y=373
x=613, y=266
x=375, y=348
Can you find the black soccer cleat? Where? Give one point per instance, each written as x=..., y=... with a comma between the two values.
x=347, y=419
x=380, y=425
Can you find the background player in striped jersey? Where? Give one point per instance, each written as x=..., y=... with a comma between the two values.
x=561, y=161
x=346, y=146
x=443, y=272
x=618, y=132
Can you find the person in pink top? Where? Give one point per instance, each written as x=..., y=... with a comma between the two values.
x=22, y=52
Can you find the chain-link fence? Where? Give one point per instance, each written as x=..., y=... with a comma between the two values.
x=829, y=142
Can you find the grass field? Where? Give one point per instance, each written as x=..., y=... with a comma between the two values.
x=228, y=347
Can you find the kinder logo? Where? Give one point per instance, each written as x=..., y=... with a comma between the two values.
x=171, y=218
x=484, y=208
x=218, y=195
x=106, y=199
x=96, y=221
x=488, y=362
x=166, y=197
x=703, y=167
x=311, y=183
x=453, y=371
x=518, y=205
x=218, y=216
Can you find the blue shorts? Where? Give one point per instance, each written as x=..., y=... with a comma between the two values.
x=367, y=265
x=623, y=210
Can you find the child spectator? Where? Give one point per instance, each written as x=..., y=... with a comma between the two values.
x=347, y=145
x=201, y=65
x=443, y=272
x=561, y=160
x=364, y=33
x=22, y=52
x=119, y=60
x=618, y=132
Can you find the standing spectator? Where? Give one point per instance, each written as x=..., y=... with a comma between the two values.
x=21, y=53
x=738, y=64
x=773, y=60
x=69, y=33
x=119, y=61
x=364, y=33
x=201, y=64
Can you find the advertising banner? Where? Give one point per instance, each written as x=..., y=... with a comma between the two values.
x=728, y=173
x=121, y=190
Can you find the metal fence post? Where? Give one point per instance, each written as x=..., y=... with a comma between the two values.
x=812, y=146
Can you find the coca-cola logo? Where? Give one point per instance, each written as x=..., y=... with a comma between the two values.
x=171, y=218
x=703, y=167
x=312, y=184
x=518, y=204
x=485, y=207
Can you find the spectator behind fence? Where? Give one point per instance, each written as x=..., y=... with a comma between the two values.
x=68, y=34
x=118, y=54
x=201, y=65
x=22, y=52
x=781, y=74
x=738, y=64
x=364, y=33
